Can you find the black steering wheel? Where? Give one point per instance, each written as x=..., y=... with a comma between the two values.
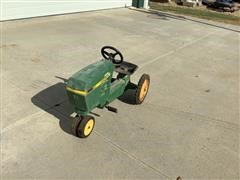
x=111, y=53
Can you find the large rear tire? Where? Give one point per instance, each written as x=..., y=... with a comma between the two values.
x=142, y=89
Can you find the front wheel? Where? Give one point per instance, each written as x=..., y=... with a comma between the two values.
x=142, y=88
x=85, y=126
x=75, y=124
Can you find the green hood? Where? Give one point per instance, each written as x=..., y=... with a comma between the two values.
x=90, y=76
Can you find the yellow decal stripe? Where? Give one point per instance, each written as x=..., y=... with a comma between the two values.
x=100, y=83
x=84, y=93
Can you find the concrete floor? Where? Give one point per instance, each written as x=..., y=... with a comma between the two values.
x=188, y=125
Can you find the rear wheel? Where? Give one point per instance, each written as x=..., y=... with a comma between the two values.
x=85, y=126
x=142, y=89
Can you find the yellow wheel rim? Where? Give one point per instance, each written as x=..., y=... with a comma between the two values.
x=144, y=90
x=88, y=127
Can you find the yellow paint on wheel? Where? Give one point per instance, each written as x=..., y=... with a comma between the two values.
x=88, y=127
x=144, y=90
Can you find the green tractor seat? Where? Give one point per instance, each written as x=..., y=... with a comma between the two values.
x=126, y=68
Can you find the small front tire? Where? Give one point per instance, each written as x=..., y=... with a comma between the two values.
x=85, y=127
x=75, y=124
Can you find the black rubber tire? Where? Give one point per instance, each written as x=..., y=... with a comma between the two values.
x=75, y=124
x=143, y=78
x=82, y=125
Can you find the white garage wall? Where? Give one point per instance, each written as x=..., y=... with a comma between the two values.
x=22, y=9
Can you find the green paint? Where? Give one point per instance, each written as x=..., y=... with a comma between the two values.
x=96, y=87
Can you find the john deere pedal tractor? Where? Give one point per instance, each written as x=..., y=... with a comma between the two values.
x=94, y=86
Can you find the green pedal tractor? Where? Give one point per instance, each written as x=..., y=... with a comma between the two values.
x=94, y=86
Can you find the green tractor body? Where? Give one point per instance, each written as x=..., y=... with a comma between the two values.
x=94, y=86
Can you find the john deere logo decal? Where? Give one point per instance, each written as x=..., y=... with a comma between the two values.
x=105, y=78
x=107, y=75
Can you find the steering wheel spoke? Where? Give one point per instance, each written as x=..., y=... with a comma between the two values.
x=106, y=53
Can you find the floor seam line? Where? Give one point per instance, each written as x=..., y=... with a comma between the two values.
x=123, y=150
x=200, y=115
x=26, y=119
x=177, y=49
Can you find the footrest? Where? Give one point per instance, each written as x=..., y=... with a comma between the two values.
x=113, y=109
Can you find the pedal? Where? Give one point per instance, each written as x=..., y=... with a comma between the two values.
x=112, y=109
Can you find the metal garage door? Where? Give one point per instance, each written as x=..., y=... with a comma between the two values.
x=15, y=9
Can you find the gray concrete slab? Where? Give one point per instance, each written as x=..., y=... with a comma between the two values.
x=188, y=125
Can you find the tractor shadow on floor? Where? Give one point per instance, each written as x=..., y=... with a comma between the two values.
x=54, y=100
